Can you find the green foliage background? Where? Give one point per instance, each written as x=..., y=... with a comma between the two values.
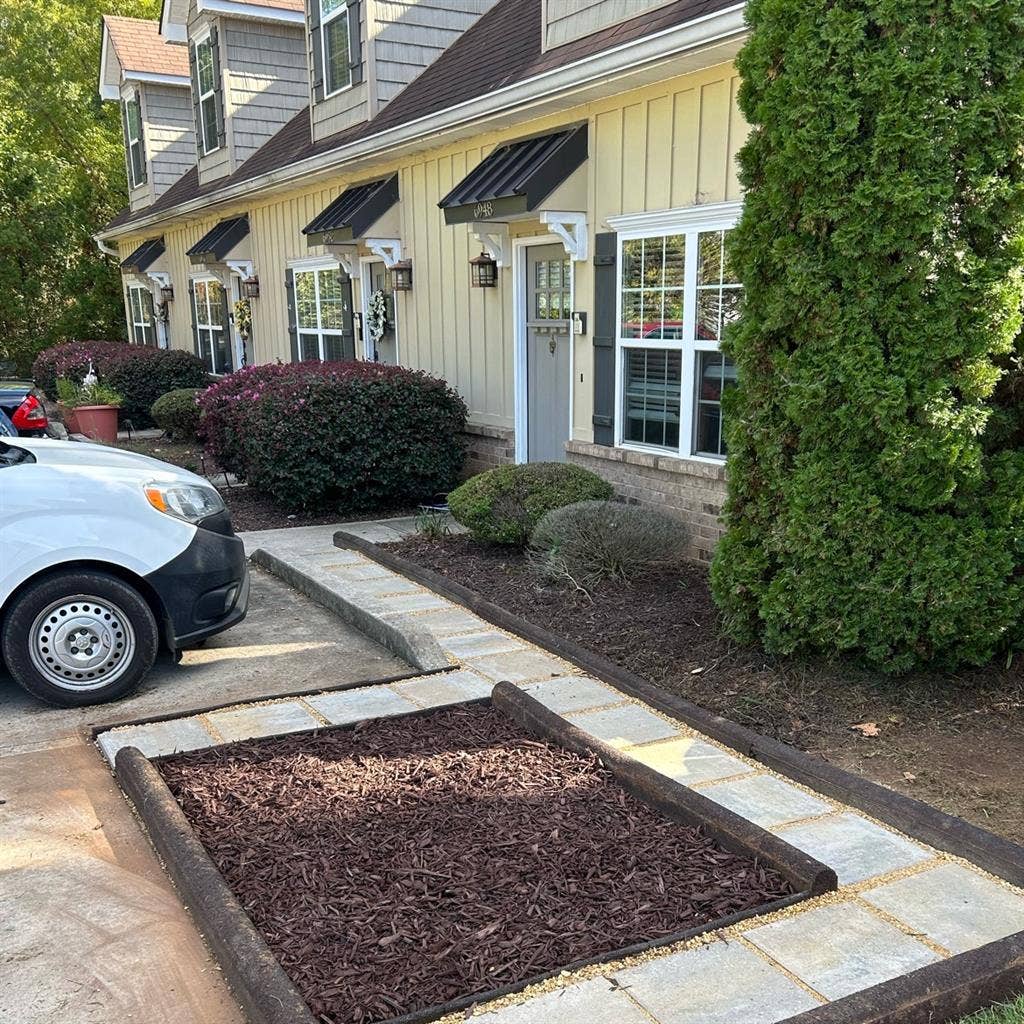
x=876, y=476
x=62, y=175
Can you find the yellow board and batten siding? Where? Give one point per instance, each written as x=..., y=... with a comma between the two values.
x=668, y=145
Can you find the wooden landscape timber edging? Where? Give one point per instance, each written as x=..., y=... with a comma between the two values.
x=916, y=819
x=259, y=983
x=810, y=877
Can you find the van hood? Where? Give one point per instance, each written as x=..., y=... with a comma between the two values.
x=83, y=456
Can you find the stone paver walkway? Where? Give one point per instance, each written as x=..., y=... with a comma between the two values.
x=900, y=905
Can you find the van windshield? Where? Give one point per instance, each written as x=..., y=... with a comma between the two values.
x=11, y=456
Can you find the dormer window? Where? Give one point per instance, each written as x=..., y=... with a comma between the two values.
x=206, y=80
x=133, y=142
x=337, y=52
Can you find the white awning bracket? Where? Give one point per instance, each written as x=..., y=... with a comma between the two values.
x=494, y=240
x=571, y=228
x=243, y=268
x=387, y=249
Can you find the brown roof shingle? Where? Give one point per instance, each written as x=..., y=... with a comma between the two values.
x=501, y=49
x=140, y=47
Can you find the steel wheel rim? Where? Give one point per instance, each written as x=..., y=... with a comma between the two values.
x=81, y=643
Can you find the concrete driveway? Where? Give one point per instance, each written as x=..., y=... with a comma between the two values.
x=90, y=929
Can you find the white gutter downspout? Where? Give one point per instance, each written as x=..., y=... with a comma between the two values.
x=105, y=248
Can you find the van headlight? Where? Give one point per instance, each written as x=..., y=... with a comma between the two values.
x=184, y=501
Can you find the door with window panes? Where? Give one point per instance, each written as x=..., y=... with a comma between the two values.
x=212, y=324
x=378, y=283
x=678, y=293
x=548, y=300
x=323, y=314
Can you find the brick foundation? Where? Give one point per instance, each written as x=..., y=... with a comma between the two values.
x=488, y=447
x=692, y=491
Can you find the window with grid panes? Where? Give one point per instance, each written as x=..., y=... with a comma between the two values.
x=319, y=313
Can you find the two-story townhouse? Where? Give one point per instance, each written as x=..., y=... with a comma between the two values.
x=538, y=191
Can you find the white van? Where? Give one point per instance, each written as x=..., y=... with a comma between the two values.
x=104, y=556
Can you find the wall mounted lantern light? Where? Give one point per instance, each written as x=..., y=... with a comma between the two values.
x=401, y=276
x=251, y=288
x=483, y=271
x=166, y=293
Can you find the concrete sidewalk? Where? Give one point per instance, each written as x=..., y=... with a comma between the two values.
x=91, y=931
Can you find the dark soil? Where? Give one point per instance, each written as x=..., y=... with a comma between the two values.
x=400, y=865
x=955, y=741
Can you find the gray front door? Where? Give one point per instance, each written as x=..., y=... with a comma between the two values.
x=548, y=297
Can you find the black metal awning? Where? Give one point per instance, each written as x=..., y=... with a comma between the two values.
x=219, y=241
x=516, y=178
x=353, y=213
x=145, y=256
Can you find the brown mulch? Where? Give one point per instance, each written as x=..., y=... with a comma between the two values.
x=412, y=861
x=952, y=740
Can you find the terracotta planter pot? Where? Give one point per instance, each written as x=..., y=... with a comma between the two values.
x=97, y=422
x=68, y=418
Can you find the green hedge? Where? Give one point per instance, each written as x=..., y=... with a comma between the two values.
x=177, y=413
x=875, y=510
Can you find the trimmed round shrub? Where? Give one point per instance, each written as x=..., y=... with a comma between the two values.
x=352, y=436
x=177, y=414
x=139, y=373
x=595, y=540
x=503, y=505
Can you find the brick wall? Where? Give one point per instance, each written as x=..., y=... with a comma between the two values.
x=691, y=490
x=488, y=447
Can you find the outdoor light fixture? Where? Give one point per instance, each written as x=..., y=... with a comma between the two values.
x=251, y=288
x=401, y=276
x=483, y=271
x=166, y=293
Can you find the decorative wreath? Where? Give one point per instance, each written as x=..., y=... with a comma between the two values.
x=243, y=317
x=377, y=316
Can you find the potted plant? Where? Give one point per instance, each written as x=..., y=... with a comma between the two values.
x=89, y=408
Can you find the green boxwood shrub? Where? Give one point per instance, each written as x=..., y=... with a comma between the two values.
x=595, y=540
x=139, y=373
x=353, y=436
x=873, y=512
x=503, y=505
x=177, y=414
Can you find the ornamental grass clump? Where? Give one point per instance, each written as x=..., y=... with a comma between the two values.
x=503, y=505
x=591, y=541
x=352, y=436
x=875, y=510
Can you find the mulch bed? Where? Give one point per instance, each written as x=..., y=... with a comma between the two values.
x=412, y=861
x=953, y=740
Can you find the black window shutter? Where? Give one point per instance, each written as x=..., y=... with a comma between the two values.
x=313, y=13
x=218, y=84
x=293, y=328
x=229, y=331
x=348, y=324
x=193, y=68
x=131, y=315
x=355, y=43
x=142, y=139
x=606, y=249
x=127, y=144
x=192, y=313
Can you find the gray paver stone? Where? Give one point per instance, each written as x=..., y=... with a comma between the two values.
x=518, y=666
x=858, y=849
x=449, y=620
x=262, y=720
x=399, y=604
x=624, y=726
x=690, y=761
x=477, y=645
x=157, y=738
x=379, y=587
x=567, y=694
x=348, y=706
x=954, y=906
x=841, y=949
x=723, y=983
x=445, y=688
x=588, y=1002
x=765, y=800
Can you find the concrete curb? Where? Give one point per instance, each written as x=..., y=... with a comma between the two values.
x=400, y=634
x=258, y=981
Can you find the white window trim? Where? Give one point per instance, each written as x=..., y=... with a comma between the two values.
x=206, y=325
x=365, y=291
x=314, y=265
x=133, y=323
x=204, y=40
x=137, y=141
x=689, y=221
x=341, y=12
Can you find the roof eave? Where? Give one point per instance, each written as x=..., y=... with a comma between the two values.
x=712, y=30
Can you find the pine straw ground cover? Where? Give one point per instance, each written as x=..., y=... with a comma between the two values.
x=400, y=865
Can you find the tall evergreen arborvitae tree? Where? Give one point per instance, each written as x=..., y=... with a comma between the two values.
x=875, y=509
